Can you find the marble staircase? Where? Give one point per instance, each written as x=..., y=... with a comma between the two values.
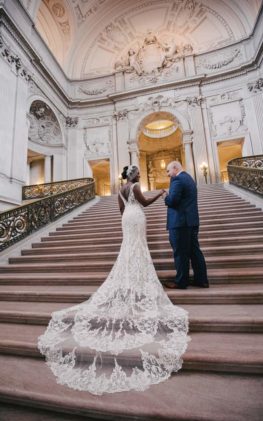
x=221, y=377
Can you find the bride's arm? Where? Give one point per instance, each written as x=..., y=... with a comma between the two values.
x=141, y=199
x=121, y=204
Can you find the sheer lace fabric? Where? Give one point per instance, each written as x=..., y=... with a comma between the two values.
x=128, y=335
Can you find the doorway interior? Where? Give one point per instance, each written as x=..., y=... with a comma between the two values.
x=160, y=142
x=227, y=150
x=101, y=174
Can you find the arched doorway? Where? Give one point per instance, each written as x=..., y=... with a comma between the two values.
x=159, y=142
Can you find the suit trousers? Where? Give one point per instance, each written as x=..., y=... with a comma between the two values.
x=185, y=245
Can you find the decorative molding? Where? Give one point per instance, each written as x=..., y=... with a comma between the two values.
x=256, y=86
x=71, y=122
x=120, y=115
x=98, y=122
x=97, y=90
x=223, y=60
x=13, y=60
x=194, y=101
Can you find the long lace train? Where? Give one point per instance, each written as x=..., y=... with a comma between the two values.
x=128, y=335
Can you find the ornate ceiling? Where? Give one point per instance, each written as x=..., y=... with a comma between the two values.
x=96, y=37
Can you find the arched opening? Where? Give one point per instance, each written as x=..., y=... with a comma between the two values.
x=101, y=174
x=228, y=150
x=160, y=142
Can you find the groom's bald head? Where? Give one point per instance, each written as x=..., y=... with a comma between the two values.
x=173, y=168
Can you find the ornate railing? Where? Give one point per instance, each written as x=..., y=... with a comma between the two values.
x=20, y=222
x=37, y=191
x=247, y=172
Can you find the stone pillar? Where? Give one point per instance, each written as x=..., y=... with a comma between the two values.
x=189, y=160
x=47, y=169
x=134, y=152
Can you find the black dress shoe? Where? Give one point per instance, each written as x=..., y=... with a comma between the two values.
x=172, y=285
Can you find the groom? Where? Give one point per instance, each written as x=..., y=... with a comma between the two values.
x=183, y=226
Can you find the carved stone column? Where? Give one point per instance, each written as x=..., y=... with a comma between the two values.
x=134, y=152
x=189, y=160
x=47, y=169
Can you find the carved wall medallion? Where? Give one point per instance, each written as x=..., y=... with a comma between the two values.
x=227, y=119
x=97, y=145
x=44, y=127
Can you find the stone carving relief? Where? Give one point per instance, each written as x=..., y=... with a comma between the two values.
x=97, y=146
x=60, y=14
x=71, y=122
x=227, y=119
x=44, y=127
x=215, y=62
x=120, y=115
x=194, y=101
x=256, y=86
x=13, y=60
x=97, y=89
x=152, y=57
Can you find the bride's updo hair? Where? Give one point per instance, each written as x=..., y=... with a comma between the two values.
x=124, y=172
x=130, y=172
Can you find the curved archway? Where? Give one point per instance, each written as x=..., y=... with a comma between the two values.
x=160, y=141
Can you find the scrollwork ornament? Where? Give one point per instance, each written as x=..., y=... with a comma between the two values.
x=256, y=86
x=14, y=60
x=71, y=122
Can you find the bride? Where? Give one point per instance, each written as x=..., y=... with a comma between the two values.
x=127, y=335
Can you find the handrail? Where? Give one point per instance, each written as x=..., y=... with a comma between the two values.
x=36, y=191
x=22, y=221
x=247, y=172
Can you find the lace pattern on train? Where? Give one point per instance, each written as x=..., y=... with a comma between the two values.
x=127, y=335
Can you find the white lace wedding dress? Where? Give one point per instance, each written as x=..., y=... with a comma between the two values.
x=127, y=335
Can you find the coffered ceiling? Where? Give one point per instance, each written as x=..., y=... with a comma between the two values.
x=88, y=37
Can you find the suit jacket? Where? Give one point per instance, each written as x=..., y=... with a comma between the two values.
x=182, y=208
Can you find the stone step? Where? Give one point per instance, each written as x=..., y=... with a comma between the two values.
x=202, y=317
x=75, y=227
x=115, y=242
x=219, y=352
x=105, y=254
x=220, y=294
x=160, y=263
x=216, y=277
x=39, y=390
x=154, y=214
x=241, y=244
x=156, y=218
x=205, y=231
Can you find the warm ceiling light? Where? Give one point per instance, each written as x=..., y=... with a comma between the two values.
x=160, y=128
x=159, y=124
x=163, y=165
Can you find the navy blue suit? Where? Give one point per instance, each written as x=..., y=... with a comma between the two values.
x=183, y=226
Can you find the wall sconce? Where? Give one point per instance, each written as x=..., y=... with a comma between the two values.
x=204, y=168
x=120, y=180
x=163, y=165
